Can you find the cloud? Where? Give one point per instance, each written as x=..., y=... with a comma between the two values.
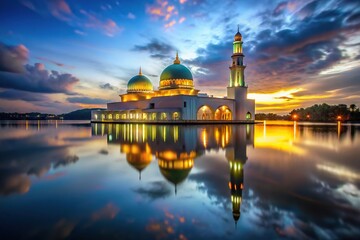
x=70, y=159
x=109, y=27
x=62, y=229
x=60, y=9
x=15, y=167
x=161, y=9
x=131, y=15
x=157, y=190
x=32, y=78
x=87, y=100
x=156, y=48
x=59, y=64
x=23, y=95
x=13, y=58
x=108, y=212
x=81, y=33
x=77, y=18
x=108, y=86
x=37, y=79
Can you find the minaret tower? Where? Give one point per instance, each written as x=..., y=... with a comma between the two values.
x=244, y=108
x=237, y=78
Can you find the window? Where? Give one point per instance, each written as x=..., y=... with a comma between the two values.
x=176, y=116
x=248, y=115
x=117, y=116
x=152, y=105
x=163, y=116
x=184, y=104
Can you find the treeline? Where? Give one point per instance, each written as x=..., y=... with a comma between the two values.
x=81, y=114
x=319, y=113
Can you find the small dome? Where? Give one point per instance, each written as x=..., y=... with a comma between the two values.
x=139, y=83
x=238, y=36
x=175, y=72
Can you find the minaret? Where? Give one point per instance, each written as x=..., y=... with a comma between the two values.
x=237, y=78
x=244, y=108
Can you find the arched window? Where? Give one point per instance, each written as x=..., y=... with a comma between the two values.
x=248, y=116
x=176, y=116
x=163, y=116
x=117, y=116
x=205, y=113
x=223, y=113
x=153, y=116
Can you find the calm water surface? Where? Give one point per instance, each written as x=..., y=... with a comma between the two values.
x=73, y=180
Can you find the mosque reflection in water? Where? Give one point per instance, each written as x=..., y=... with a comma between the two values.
x=176, y=148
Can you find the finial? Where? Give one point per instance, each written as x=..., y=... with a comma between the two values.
x=238, y=27
x=140, y=73
x=177, y=60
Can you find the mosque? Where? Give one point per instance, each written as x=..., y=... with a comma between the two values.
x=177, y=100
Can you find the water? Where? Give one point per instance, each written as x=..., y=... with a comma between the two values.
x=74, y=180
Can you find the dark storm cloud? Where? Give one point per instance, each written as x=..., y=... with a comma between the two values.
x=21, y=95
x=156, y=48
x=87, y=100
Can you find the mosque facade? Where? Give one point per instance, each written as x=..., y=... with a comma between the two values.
x=177, y=100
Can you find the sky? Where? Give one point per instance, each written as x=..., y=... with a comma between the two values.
x=57, y=56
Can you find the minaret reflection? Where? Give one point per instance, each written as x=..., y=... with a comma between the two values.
x=177, y=147
x=236, y=156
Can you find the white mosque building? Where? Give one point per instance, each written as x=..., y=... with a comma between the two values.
x=177, y=100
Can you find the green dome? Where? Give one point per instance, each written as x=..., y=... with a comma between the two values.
x=176, y=76
x=139, y=83
x=175, y=176
x=176, y=71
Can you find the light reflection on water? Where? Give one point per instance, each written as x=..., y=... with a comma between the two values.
x=62, y=179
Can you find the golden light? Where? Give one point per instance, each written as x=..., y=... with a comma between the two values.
x=294, y=116
x=339, y=117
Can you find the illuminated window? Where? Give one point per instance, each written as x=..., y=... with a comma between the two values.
x=144, y=116
x=102, y=116
x=153, y=116
x=248, y=115
x=204, y=113
x=110, y=116
x=96, y=116
x=176, y=116
x=117, y=116
x=123, y=116
x=163, y=116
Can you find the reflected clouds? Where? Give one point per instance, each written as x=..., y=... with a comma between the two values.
x=291, y=180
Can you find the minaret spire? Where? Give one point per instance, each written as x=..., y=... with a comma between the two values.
x=140, y=73
x=177, y=60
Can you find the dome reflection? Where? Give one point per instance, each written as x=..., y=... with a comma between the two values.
x=176, y=149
